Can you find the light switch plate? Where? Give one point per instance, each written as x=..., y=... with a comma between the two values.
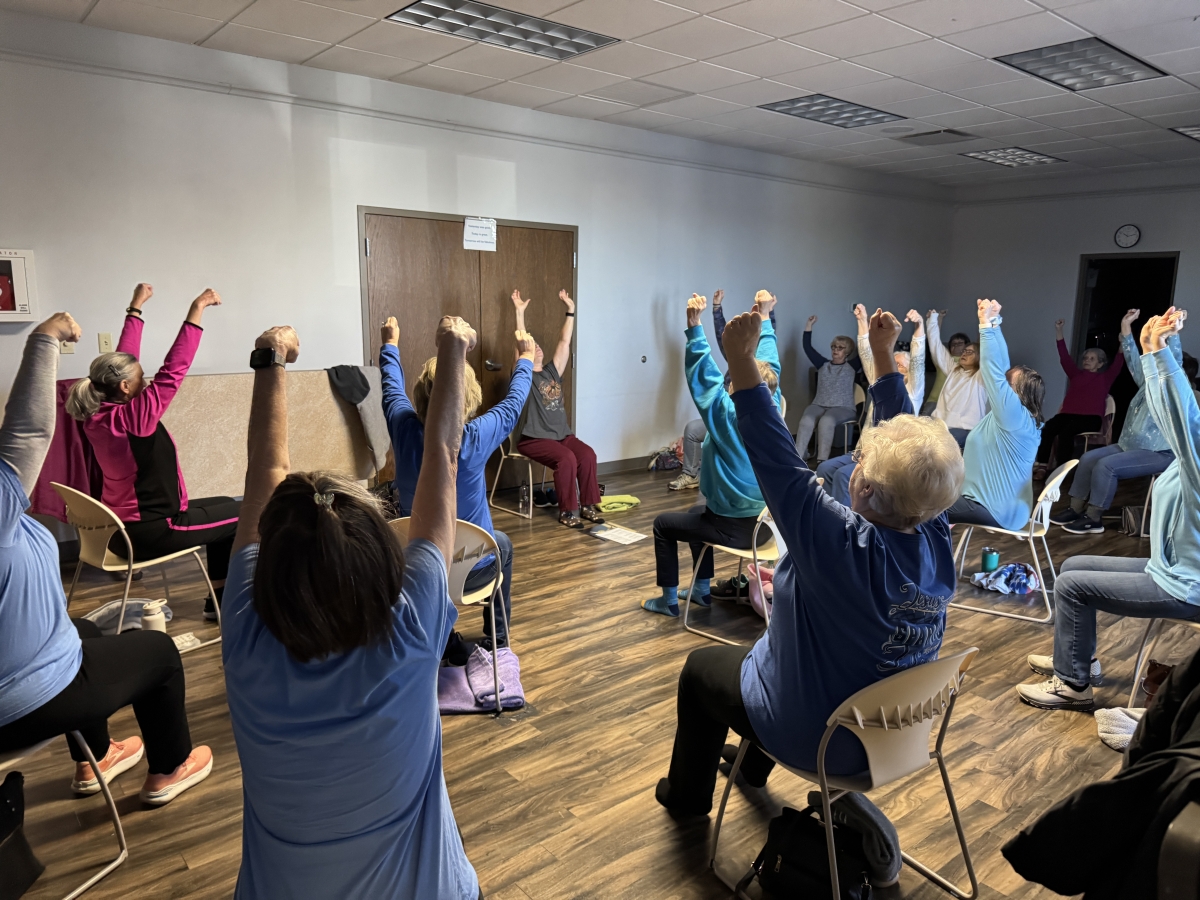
x=105, y=340
x=66, y=347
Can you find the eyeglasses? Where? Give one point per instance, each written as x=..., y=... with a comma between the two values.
x=856, y=455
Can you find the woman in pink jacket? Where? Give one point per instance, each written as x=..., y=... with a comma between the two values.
x=143, y=484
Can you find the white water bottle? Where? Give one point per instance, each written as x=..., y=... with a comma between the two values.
x=153, y=617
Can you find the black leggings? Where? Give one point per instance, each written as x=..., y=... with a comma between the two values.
x=210, y=522
x=966, y=511
x=1066, y=427
x=698, y=526
x=709, y=704
x=138, y=667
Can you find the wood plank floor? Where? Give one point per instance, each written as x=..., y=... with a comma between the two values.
x=556, y=801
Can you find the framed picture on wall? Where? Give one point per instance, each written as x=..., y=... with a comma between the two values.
x=18, y=286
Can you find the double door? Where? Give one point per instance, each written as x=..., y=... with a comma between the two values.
x=417, y=270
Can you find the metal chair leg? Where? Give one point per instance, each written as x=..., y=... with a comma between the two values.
x=496, y=482
x=737, y=765
x=125, y=596
x=162, y=572
x=1049, y=617
x=961, y=553
x=217, y=606
x=1155, y=627
x=116, y=820
x=74, y=581
x=687, y=604
x=495, y=650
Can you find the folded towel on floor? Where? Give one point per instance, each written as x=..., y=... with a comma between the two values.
x=612, y=503
x=1116, y=726
x=454, y=694
x=1014, y=578
x=105, y=617
x=483, y=683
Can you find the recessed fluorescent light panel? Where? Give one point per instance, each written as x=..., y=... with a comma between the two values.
x=1192, y=131
x=831, y=111
x=492, y=25
x=1081, y=65
x=1013, y=157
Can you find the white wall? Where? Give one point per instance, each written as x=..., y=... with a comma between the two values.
x=127, y=158
x=1026, y=253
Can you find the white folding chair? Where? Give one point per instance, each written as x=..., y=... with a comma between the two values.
x=12, y=758
x=1039, y=524
x=96, y=524
x=893, y=719
x=768, y=552
x=1146, y=507
x=1103, y=437
x=512, y=454
x=1154, y=629
x=471, y=544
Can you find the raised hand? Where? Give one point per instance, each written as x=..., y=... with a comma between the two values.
x=987, y=310
x=695, y=305
x=883, y=332
x=860, y=313
x=141, y=294
x=207, y=299
x=1158, y=328
x=389, y=332
x=1127, y=321
x=282, y=339
x=456, y=331
x=764, y=302
x=913, y=316
x=740, y=339
x=812, y=320
x=718, y=296
x=61, y=327
x=929, y=316
x=525, y=345
x=566, y=298
x=518, y=302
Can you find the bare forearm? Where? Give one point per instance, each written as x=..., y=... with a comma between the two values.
x=435, y=498
x=267, y=458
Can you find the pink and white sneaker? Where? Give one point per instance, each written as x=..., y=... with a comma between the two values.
x=121, y=757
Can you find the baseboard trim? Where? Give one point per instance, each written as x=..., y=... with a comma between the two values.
x=613, y=467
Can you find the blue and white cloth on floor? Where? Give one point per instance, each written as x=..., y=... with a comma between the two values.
x=1014, y=578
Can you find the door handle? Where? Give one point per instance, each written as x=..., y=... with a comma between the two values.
x=491, y=365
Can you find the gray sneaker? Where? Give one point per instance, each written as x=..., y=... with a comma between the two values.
x=1044, y=665
x=1056, y=694
x=685, y=482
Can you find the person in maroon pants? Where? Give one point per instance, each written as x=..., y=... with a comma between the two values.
x=544, y=433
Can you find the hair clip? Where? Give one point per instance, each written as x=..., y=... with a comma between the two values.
x=325, y=500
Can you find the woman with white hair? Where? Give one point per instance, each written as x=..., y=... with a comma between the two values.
x=861, y=593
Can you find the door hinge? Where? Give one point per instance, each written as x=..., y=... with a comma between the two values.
x=367, y=241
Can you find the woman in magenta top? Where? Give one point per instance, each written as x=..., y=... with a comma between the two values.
x=143, y=484
x=1083, y=407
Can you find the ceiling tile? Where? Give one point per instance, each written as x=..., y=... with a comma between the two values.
x=938, y=17
x=880, y=93
x=976, y=74
x=1102, y=131
x=1027, y=33
x=635, y=93
x=584, y=107
x=696, y=107
x=570, y=78
x=969, y=118
x=763, y=121
x=694, y=129
x=520, y=94
x=306, y=20
x=70, y=10
x=750, y=140
x=1107, y=16
x=206, y=9
x=1011, y=129
x=880, y=5
x=376, y=9
x=702, y=38
x=1150, y=89
x=1175, y=120
x=624, y=19
x=1064, y=102
x=1189, y=103
x=1082, y=117
x=755, y=93
x=137, y=18
x=631, y=60
x=449, y=80
x=832, y=76
x=1183, y=150
x=1136, y=137
x=359, y=62
x=919, y=57
x=529, y=7
x=1101, y=158
x=783, y=17
x=494, y=62
x=770, y=59
x=1054, y=148
x=760, y=120
x=705, y=6
x=405, y=41
x=1027, y=88
x=1163, y=37
x=1178, y=62
x=931, y=105
x=265, y=44
x=699, y=77
x=858, y=36
x=643, y=118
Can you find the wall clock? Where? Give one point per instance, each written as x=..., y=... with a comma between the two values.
x=1127, y=236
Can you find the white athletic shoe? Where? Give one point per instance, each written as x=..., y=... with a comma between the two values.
x=1055, y=694
x=1044, y=665
x=121, y=757
x=685, y=482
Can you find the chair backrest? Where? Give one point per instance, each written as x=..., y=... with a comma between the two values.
x=776, y=542
x=782, y=406
x=1051, y=492
x=471, y=544
x=893, y=717
x=1110, y=406
x=860, y=396
x=1110, y=412
x=95, y=522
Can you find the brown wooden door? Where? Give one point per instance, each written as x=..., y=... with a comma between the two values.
x=418, y=272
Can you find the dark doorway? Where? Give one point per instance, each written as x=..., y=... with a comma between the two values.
x=1109, y=285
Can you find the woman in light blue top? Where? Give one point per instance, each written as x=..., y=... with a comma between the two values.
x=332, y=643
x=1165, y=586
x=1140, y=451
x=1001, y=449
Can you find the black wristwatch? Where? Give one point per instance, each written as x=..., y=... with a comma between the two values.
x=265, y=357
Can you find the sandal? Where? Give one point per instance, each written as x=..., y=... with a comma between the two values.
x=592, y=514
x=568, y=518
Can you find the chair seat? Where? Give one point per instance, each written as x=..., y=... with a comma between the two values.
x=475, y=598
x=860, y=783
x=768, y=552
x=12, y=757
x=1039, y=530
x=114, y=563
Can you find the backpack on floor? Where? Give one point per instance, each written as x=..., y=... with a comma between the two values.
x=19, y=868
x=794, y=863
x=1131, y=521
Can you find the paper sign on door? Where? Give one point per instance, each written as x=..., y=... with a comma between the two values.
x=479, y=234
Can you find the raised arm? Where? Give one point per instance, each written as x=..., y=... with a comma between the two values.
x=29, y=414
x=1169, y=395
x=267, y=460
x=813, y=356
x=131, y=333
x=562, y=353
x=768, y=343
x=719, y=318
x=1064, y=357
x=498, y=422
x=435, y=501
x=994, y=365
x=933, y=341
x=520, y=307
x=865, y=356
x=396, y=405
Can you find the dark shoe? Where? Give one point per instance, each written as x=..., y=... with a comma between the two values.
x=592, y=514
x=568, y=518
x=1084, y=525
x=541, y=499
x=1039, y=471
x=486, y=642
x=731, y=588
x=1064, y=516
x=662, y=793
x=458, y=650
x=210, y=611
x=729, y=754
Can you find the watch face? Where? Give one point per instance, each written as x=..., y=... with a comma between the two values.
x=1127, y=235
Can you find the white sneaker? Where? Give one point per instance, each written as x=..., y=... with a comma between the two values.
x=1044, y=665
x=1055, y=694
x=685, y=482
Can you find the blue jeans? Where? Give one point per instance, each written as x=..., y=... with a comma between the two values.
x=837, y=472
x=960, y=436
x=1099, y=470
x=486, y=574
x=1087, y=584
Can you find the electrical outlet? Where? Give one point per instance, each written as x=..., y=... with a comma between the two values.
x=106, y=344
x=66, y=347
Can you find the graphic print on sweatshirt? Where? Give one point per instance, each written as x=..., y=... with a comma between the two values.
x=550, y=394
x=918, y=633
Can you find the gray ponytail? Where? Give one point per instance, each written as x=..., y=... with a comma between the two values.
x=104, y=379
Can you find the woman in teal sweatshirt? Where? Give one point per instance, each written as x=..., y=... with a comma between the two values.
x=733, y=499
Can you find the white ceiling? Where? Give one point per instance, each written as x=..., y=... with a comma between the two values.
x=698, y=68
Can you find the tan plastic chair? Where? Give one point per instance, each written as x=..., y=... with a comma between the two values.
x=471, y=544
x=1039, y=524
x=860, y=397
x=96, y=524
x=512, y=454
x=13, y=758
x=893, y=719
x=1103, y=437
x=768, y=552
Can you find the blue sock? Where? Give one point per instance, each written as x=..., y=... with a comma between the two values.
x=671, y=595
x=702, y=588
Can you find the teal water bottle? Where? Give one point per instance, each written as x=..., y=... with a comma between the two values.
x=991, y=559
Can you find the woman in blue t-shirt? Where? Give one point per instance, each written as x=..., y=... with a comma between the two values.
x=333, y=640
